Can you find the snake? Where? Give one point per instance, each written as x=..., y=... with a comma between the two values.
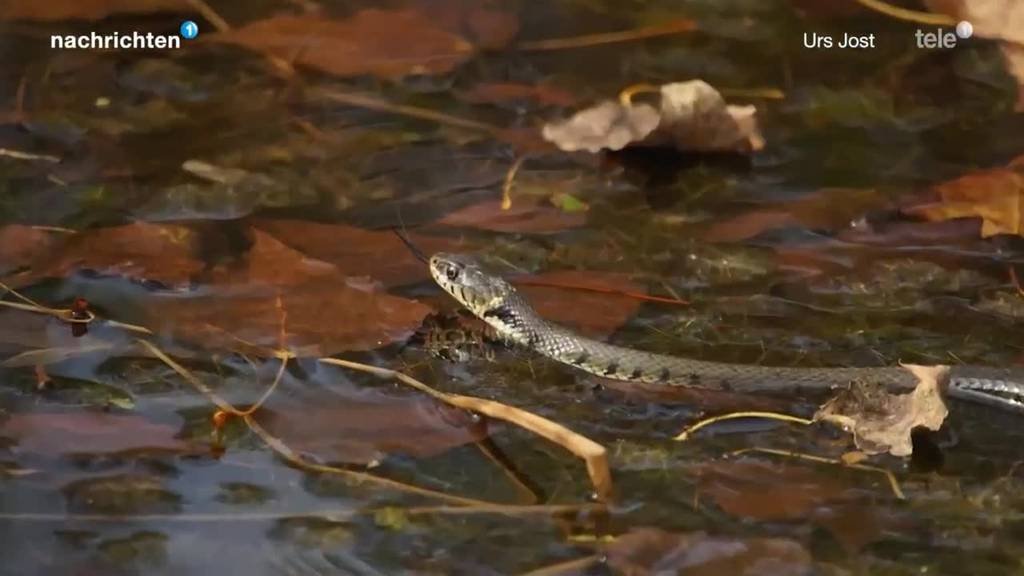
x=494, y=300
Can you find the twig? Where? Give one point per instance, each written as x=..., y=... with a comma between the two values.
x=598, y=289
x=567, y=567
x=592, y=453
x=372, y=103
x=18, y=155
x=908, y=15
x=674, y=27
x=893, y=484
x=210, y=14
x=689, y=430
x=506, y=188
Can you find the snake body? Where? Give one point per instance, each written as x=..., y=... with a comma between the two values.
x=497, y=302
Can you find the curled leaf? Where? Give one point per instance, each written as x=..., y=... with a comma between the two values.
x=882, y=422
x=692, y=116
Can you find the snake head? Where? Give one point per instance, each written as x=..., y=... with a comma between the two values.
x=469, y=283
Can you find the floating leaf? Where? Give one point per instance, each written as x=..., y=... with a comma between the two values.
x=882, y=422
x=692, y=116
x=383, y=43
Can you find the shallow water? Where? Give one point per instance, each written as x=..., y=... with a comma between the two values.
x=236, y=210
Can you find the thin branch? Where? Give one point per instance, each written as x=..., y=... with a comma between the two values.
x=669, y=28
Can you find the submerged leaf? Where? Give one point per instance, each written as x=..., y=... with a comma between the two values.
x=360, y=427
x=655, y=551
x=386, y=43
x=86, y=432
x=526, y=216
x=882, y=422
x=19, y=245
x=566, y=300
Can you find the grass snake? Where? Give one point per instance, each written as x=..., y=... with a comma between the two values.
x=496, y=302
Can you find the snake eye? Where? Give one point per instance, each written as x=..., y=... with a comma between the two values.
x=452, y=273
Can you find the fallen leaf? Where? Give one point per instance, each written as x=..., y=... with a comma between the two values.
x=762, y=491
x=165, y=253
x=692, y=116
x=269, y=261
x=19, y=245
x=510, y=93
x=882, y=422
x=992, y=195
x=489, y=24
x=380, y=255
x=385, y=43
x=86, y=9
x=654, y=551
x=359, y=427
x=83, y=432
x=527, y=216
x=754, y=489
x=324, y=316
x=594, y=314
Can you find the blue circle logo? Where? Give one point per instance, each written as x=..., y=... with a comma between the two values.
x=189, y=29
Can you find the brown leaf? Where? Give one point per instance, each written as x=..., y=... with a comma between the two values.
x=381, y=255
x=325, y=316
x=360, y=427
x=761, y=491
x=882, y=422
x=383, y=43
x=85, y=9
x=752, y=489
x=692, y=116
x=653, y=551
x=595, y=314
x=527, y=216
x=19, y=245
x=992, y=195
x=268, y=261
x=89, y=433
x=166, y=253
x=490, y=25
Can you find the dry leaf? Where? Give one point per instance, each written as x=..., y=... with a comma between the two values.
x=882, y=422
x=693, y=116
x=85, y=9
x=385, y=43
x=653, y=551
x=992, y=195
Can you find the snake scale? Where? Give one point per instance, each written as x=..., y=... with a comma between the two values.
x=496, y=302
